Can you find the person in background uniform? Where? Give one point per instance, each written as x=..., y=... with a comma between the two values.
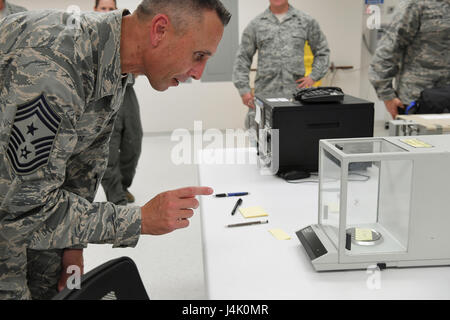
x=7, y=8
x=279, y=35
x=126, y=139
x=414, y=51
x=62, y=80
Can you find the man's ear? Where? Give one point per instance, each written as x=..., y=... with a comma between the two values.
x=159, y=28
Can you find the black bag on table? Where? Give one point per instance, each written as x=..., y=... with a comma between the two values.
x=433, y=100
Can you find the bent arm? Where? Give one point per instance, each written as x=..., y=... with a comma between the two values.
x=243, y=61
x=320, y=50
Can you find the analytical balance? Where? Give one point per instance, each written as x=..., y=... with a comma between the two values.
x=382, y=201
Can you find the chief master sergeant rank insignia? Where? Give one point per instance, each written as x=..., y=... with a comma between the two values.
x=33, y=132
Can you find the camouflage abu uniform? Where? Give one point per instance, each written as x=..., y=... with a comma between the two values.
x=124, y=148
x=43, y=266
x=414, y=51
x=280, y=54
x=60, y=89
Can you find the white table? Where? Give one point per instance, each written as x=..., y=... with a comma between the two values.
x=249, y=263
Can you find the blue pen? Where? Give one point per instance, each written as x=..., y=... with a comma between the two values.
x=409, y=107
x=235, y=194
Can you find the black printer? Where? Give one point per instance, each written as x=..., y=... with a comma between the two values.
x=289, y=130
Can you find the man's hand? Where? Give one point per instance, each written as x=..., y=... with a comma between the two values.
x=70, y=257
x=249, y=100
x=391, y=106
x=305, y=82
x=171, y=210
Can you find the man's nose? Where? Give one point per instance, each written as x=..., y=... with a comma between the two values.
x=197, y=71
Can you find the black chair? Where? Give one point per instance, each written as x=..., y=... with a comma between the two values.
x=117, y=279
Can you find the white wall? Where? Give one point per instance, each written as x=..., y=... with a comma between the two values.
x=218, y=104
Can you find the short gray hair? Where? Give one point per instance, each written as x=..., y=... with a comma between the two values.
x=179, y=11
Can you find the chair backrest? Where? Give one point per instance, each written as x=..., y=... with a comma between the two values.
x=116, y=279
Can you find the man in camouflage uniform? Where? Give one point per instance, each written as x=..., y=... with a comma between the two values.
x=7, y=8
x=415, y=51
x=279, y=34
x=126, y=139
x=62, y=80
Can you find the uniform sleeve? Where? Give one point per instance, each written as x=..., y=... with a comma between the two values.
x=43, y=202
x=84, y=173
x=320, y=50
x=243, y=60
x=388, y=56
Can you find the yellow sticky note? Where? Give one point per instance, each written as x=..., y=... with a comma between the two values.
x=416, y=143
x=253, y=212
x=363, y=234
x=280, y=234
